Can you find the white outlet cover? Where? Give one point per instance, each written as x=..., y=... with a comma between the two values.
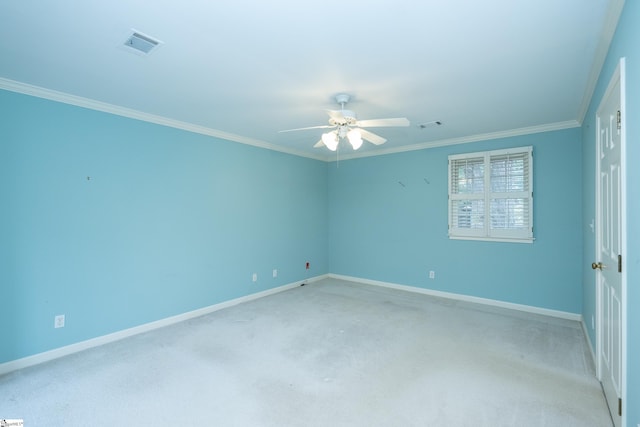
x=432, y=274
x=255, y=277
x=58, y=321
x=275, y=273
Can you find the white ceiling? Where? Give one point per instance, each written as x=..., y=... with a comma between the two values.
x=245, y=69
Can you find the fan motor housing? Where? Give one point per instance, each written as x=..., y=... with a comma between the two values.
x=348, y=118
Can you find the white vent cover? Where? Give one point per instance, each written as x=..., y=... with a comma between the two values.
x=141, y=43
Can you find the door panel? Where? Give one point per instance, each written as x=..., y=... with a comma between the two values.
x=609, y=236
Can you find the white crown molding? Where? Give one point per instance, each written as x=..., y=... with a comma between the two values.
x=53, y=95
x=606, y=36
x=78, y=101
x=467, y=139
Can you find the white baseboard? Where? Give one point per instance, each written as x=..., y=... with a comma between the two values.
x=460, y=297
x=105, y=339
x=46, y=356
x=586, y=334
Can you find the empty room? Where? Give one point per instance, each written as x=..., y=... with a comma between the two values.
x=319, y=213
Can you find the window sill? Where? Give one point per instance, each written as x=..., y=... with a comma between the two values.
x=494, y=239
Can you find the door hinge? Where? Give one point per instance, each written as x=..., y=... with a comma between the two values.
x=619, y=119
x=619, y=263
x=619, y=407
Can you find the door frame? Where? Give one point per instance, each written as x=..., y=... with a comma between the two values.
x=619, y=74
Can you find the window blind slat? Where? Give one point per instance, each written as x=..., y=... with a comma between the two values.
x=467, y=213
x=467, y=176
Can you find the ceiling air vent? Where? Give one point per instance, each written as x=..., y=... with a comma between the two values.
x=142, y=43
x=429, y=124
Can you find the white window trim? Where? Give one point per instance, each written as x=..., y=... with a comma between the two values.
x=487, y=233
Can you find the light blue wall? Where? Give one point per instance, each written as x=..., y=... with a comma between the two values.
x=170, y=221
x=625, y=44
x=382, y=230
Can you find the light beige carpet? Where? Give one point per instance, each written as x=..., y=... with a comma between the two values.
x=333, y=353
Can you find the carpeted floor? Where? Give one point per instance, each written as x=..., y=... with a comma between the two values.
x=333, y=353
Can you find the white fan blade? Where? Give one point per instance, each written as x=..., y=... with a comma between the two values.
x=335, y=114
x=342, y=117
x=377, y=123
x=372, y=137
x=311, y=127
x=319, y=144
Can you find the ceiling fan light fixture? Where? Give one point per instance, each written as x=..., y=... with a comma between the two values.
x=355, y=138
x=346, y=126
x=330, y=140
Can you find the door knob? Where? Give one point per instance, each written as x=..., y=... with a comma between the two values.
x=596, y=265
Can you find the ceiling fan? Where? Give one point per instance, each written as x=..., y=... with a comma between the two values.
x=345, y=125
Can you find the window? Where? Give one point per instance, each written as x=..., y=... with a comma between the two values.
x=491, y=195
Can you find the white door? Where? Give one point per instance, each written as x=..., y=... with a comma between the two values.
x=610, y=244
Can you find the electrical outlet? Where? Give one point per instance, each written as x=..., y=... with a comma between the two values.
x=307, y=265
x=275, y=273
x=58, y=321
x=254, y=277
x=432, y=274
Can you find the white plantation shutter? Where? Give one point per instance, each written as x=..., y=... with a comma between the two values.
x=466, y=196
x=491, y=195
